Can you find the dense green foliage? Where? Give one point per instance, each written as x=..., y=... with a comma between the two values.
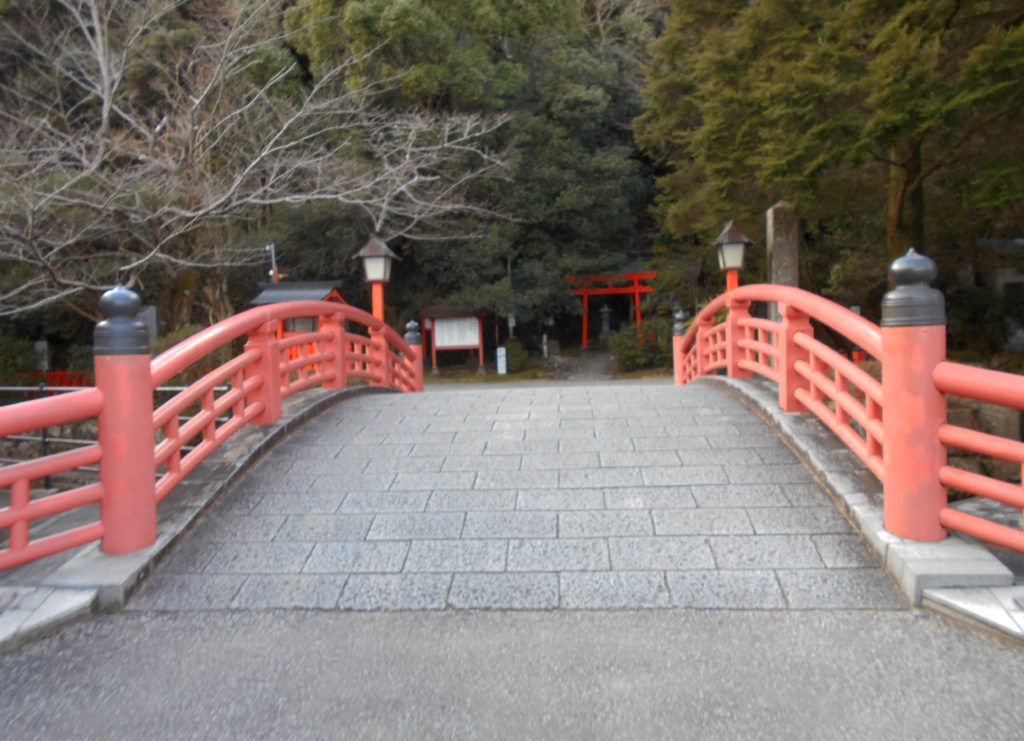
x=516, y=357
x=573, y=196
x=653, y=349
x=887, y=122
x=16, y=358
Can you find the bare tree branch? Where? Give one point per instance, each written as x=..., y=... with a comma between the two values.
x=120, y=150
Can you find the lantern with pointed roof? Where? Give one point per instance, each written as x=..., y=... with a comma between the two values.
x=377, y=258
x=731, y=245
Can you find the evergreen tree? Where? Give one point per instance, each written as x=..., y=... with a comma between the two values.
x=853, y=110
x=574, y=196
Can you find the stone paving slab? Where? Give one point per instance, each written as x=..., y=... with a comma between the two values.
x=563, y=554
x=449, y=556
x=504, y=591
x=468, y=501
x=399, y=592
x=261, y=591
x=594, y=497
x=728, y=590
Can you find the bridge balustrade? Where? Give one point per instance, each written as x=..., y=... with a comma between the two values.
x=897, y=427
x=143, y=453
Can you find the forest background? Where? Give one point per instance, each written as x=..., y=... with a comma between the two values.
x=498, y=147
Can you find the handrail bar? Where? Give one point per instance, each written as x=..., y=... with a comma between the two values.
x=68, y=389
x=854, y=327
x=980, y=384
x=50, y=411
x=173, y=361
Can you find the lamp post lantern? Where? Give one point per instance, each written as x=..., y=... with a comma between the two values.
x=377, y=258
x=275, y=275
x=731, y=244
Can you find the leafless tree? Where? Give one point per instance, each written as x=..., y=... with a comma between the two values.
x=120, y=149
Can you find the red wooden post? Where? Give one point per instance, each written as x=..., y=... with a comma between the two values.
x=429, y=329
x=586, y=317
x=913, y=343
x=703, y=327
x=678, y=332
x=268, y=367
x=127, y=470
x=636, y=302
x=414, y=340
x=379, y=351
x=793, y=321
x=377, y=295
x=479, y=334
x=733, y=333
x=338, y=366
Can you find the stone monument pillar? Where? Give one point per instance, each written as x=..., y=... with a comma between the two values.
x=606, y=327
x=783, y=244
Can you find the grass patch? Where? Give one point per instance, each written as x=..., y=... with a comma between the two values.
x=536, y=370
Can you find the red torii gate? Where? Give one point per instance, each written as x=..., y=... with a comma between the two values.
x=601, y=285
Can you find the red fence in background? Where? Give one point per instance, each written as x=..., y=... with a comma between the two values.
x=58, y=378
x=143, y=453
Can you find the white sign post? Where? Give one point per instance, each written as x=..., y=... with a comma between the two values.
x=502, y=362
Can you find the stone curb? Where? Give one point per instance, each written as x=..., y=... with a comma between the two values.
x=92, y=580
x=956, y=576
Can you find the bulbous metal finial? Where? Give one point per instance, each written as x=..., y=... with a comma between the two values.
x=913, y=303
x=122, y=332
x=911, y=268
x=412, y=333
x=120, y=302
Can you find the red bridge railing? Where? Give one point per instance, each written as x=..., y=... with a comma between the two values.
x=898, y=427
x=143, y=453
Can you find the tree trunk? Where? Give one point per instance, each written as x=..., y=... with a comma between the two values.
x=215, y=298
x=904, y=224
x=508, y=264
x=181, y=302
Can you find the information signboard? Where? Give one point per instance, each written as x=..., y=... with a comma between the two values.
x=456, y=333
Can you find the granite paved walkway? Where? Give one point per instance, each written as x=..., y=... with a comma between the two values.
x=572, y=497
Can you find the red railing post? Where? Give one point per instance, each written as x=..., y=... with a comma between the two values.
x=379, y=352
x=414, y=340
x=733, y=334
x=268, y=368
x=678, y=356
x=703, y=327
x=127, y=469
x=913, y=343
x=793, y=322
x=338, y=366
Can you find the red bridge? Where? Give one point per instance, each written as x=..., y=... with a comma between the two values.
x=472, y=484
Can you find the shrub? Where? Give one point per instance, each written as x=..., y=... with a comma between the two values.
x=17, y=356
x=203, y=365
x=654, y=350
x=176, y=335
x=516, y=355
